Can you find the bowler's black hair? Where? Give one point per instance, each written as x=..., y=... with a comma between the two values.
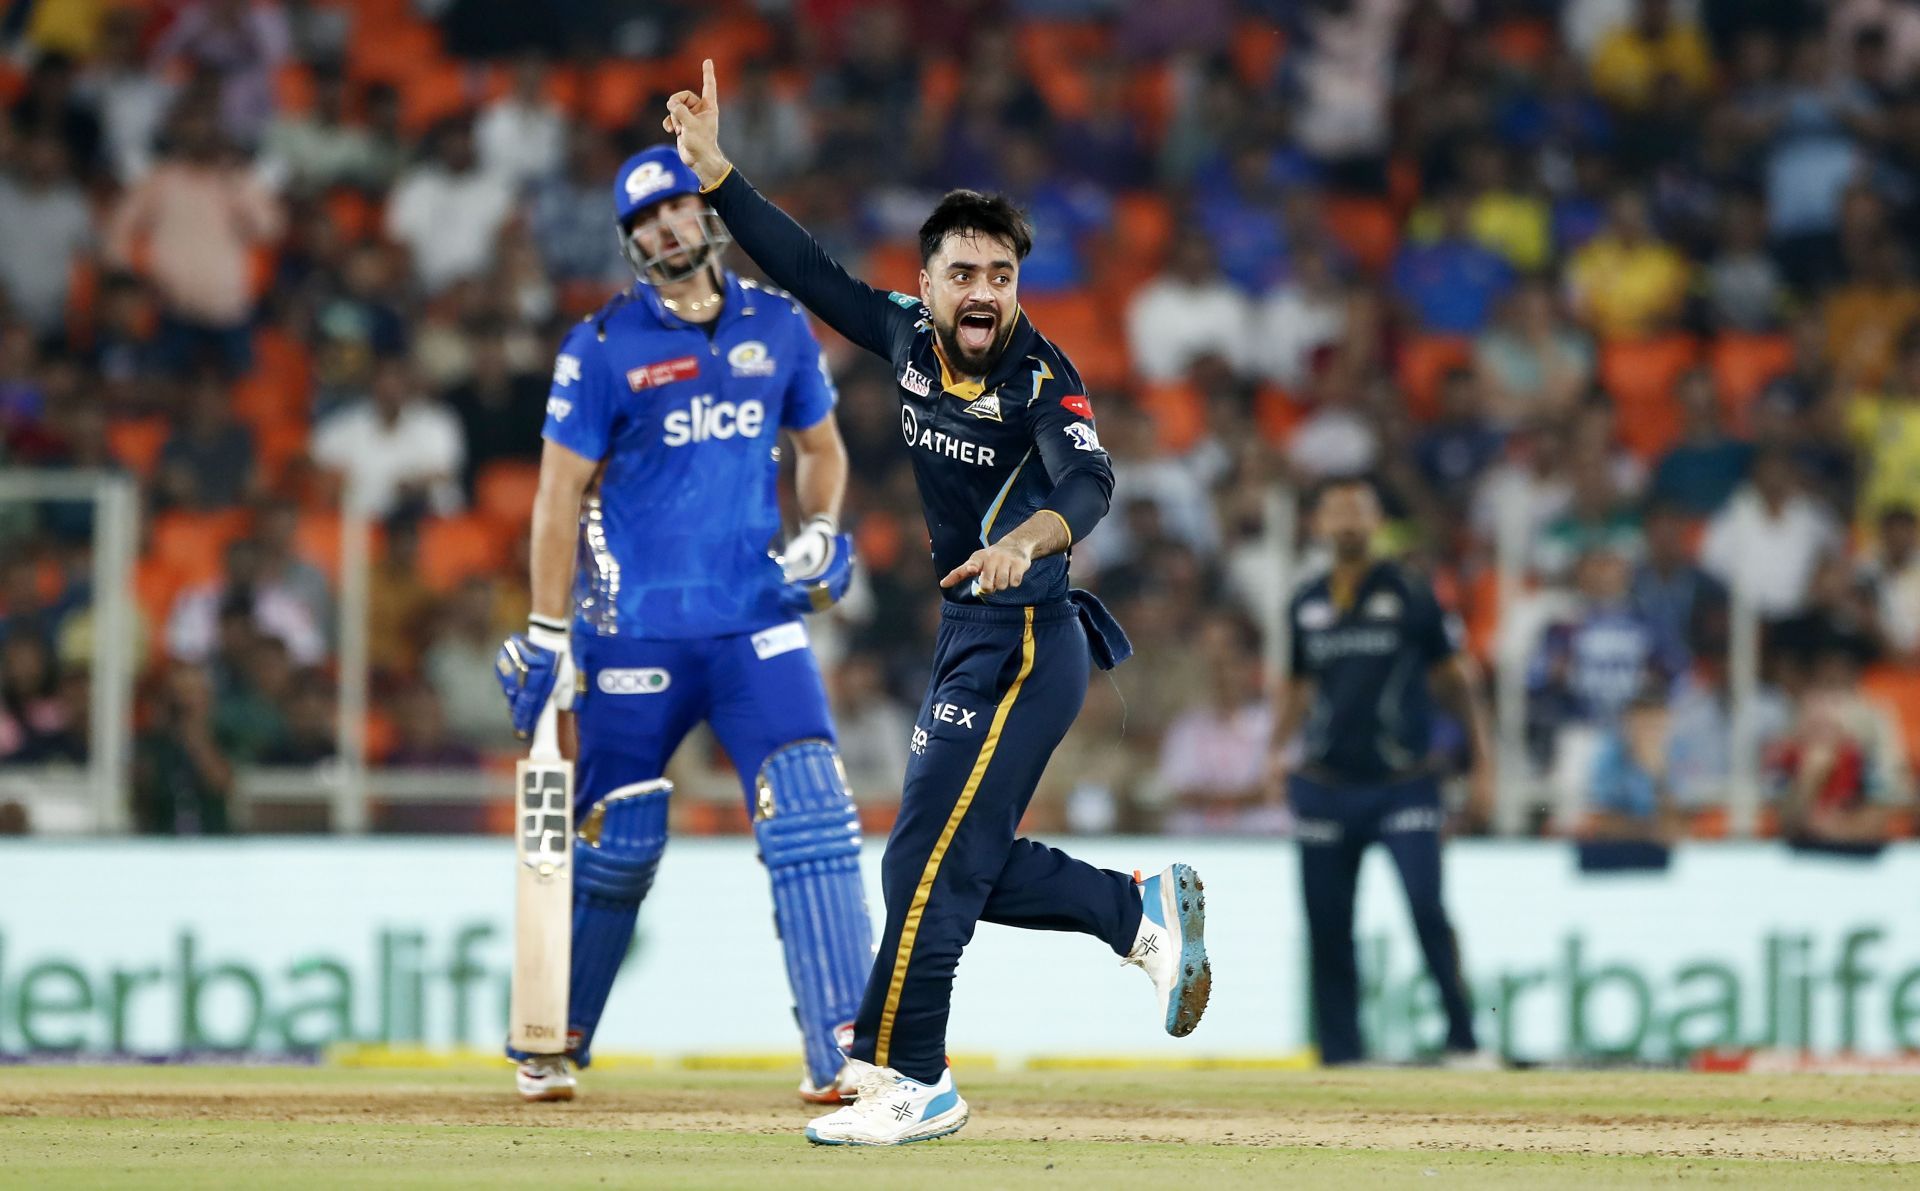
x=970, y=211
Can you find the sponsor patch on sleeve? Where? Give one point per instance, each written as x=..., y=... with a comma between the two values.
x=904, y=301
x=1077, y=403
x=781, y=638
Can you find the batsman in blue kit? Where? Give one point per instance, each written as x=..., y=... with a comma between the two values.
x=1369, y=641
x=681, y=607
x=1011, y=473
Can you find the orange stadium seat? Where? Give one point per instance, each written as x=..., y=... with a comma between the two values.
x=1067, y=91
x=293, y=88
x=1276, y=414
x=1142, y=227
x=1743, y=365
x=1151, y=91
x=894, y=265
x=1366, y=228
x=1087, y=332
x=503, y=493
x=316, y=539
x=354, y=214
x=439, y=89
x=1522, y=42
x=155, y=586
x=456, y=548
x=83, y=294
x=1898, y=687
x=1258, y=49
x=136, y=443
x=276, y=445
x=1640, y=376
x=194, y=545
x=939, y=87
x=1179, y=414
x=617, y=90
x=391, y=54
x=1424, y=361
x=879, y=539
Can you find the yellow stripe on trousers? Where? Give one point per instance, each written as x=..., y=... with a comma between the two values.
x=910, y=928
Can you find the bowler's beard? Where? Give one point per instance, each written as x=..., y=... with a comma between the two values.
x=971, y=363
x=1351, y=549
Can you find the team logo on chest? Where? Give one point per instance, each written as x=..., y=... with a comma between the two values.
x=986, y=408
x=1382, y=605
x=751, y=359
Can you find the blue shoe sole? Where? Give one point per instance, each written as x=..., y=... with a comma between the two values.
x=818, y=1140
x=1195, y=983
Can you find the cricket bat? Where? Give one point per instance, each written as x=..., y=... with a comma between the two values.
x=543, y=893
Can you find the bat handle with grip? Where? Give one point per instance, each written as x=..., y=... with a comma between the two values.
x=546, y=734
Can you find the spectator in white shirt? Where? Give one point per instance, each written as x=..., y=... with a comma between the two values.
x=44, y=226
x=522, y=136
x=131, y=99
x=193, y=627
x=1299, y=318
x=1770, y=537
x=1893, y=575
x=396, y=450
x=1190, y=310
x=1213, y=757
x=448, y=212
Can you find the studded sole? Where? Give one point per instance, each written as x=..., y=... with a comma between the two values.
x=1196, y=971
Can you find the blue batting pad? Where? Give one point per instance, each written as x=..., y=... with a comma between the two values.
x=615, y=852
x=809, y=836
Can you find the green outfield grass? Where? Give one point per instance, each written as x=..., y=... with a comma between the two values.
x=216, y=1127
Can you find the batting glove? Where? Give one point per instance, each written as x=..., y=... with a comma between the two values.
x=532, y=667
x=817, y=565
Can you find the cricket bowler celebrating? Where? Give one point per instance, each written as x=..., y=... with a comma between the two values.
x=673, y=396
x=1010, y=473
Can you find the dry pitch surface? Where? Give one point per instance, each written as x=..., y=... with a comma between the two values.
x=213, y=1127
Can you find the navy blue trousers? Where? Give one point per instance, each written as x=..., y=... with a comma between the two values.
x=1007, y=683
x=1334, y=825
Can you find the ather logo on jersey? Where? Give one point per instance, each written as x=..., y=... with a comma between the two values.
x=940, y=442
x=708, y=419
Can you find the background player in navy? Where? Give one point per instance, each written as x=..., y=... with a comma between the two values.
x=1011, y=473
x=1369, y=640
x=672, y=399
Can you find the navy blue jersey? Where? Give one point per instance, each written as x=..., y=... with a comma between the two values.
x=1372, y=715
x=687, y=426
x=986, y=455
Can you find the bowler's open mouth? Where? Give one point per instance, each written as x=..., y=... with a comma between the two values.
x=975, y=331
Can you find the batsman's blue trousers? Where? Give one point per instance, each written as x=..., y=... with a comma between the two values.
x=1334, y=825
x=759, y=691
x=1007, y=683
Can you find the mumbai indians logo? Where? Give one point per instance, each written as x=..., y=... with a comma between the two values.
x=751, y=359
x=633, y=682
x=649, y=177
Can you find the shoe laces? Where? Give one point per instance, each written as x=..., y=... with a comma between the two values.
x=875, y=1082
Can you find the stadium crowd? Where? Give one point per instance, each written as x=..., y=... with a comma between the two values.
x=1639, y=272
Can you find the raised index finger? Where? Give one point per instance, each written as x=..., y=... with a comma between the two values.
x=709, y=90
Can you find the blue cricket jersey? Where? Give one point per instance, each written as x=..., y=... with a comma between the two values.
x=687, y=428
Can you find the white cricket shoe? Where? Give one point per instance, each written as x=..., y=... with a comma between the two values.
x=891, y=1110
x=545, y=1077
x=1171, y=946
x=839, y=1090
x=1472, y=1060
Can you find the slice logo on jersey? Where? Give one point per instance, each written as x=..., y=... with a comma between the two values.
x=706, y=420
x=1317, y=615
x=751, y=359
x=916, y=382
x=558, y=408
x=666, y=372
x=940, y=442
x=986, y=408
x=781, y=638
x=648, y=178
x=1077, y=403
x=1084, y=439
x=566, y=370
x=1382, y=605
x=648, y=681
